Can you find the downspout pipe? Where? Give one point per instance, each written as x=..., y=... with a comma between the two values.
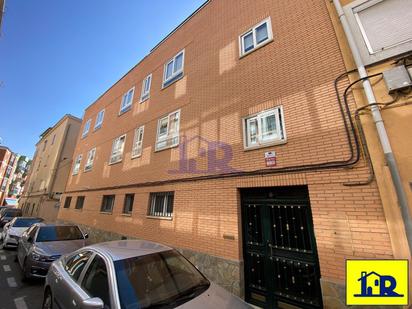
x=380, y=126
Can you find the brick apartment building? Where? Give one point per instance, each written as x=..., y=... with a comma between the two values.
x=228, y=142
x=50, y=169
x=8, y=162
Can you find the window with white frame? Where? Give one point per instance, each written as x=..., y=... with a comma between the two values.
x=127, y=101
x=256, y=37
x=77, y=163
x=117, y=149
x=146, y=88
x=168, y=131
x=173, y=69
x=382, y=28
x=265, y=128
x=161, y=204
x=86, y=128
x=99, y=120
x=90, y=158
x=138, y=142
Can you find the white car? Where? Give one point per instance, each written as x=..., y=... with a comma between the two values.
x=13, y=230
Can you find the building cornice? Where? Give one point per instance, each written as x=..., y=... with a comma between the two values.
x=48, y=131
x=153, y=49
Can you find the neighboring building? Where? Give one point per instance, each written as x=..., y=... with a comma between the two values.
x=382, y=33
x=13, y=172
x=228, y=142
x=11, y=175
x=8, y=162
x=50, y=168
x=19, y=177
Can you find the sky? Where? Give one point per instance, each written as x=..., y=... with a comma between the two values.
x=58, y=57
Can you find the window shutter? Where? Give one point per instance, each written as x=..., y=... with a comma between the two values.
x=385, y=24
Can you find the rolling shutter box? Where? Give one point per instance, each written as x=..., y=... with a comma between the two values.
x=382, y=28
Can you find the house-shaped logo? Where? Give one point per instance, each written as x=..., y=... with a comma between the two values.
x=217, y=154
x=376, y=285
x=377, y=282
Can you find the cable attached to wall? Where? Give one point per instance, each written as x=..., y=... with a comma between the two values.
x=352, y=160
x=382, y=105
x=351, y=135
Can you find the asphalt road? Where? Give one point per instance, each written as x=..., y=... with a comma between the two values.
x=14, y=293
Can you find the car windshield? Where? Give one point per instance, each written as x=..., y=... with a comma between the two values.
x=159, y=280
x=25, y=222
x=59, y=233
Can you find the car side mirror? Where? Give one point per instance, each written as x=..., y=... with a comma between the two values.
x=86, y=235
x=93, y=303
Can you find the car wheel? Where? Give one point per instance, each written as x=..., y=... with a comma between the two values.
x=47, y=300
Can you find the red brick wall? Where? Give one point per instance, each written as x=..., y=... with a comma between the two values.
x=296, y=71
x=348, y=221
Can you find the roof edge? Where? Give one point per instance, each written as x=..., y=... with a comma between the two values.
x=5, y=148
x=47, y=131
x=152, y=50
x=180, y=25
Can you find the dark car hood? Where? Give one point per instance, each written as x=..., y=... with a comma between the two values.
x=59, y=247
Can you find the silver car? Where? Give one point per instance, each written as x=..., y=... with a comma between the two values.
x=44, y=243
x=7, y=214
x=13, y=230
x=131, y=274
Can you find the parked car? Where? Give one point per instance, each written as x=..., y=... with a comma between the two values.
x=131, y=274
x=44, y=243
x=4, y=207
x=13, y=230
x=8, y=214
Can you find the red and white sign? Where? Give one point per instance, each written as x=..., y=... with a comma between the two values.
x=270, y=158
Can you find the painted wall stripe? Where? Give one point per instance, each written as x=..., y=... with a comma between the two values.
x=20, y=303
x=12, y=282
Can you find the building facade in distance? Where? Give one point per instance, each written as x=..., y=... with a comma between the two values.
x=228, y=142
x=8, y=162
x=50, y=168
x=18, y=180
